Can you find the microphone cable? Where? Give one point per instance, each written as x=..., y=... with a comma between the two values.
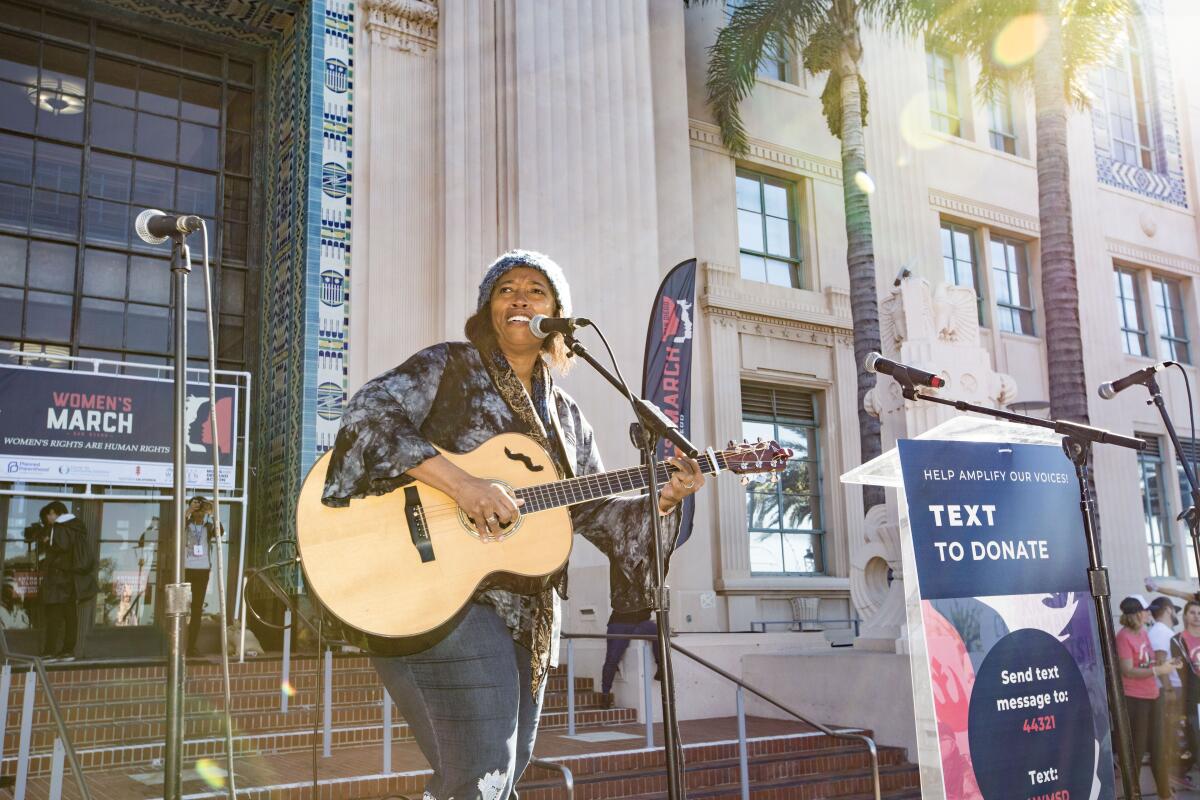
x=1187, y=384
x=230, y=783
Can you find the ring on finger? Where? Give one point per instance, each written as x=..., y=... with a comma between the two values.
x=690, y=485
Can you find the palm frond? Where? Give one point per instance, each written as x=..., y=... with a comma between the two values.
x=1091, y=29
x=755, y=28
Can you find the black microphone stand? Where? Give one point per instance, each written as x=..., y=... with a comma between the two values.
x=1191, y=514
x=653, y=426
x=178, y=593
x=1077, y=444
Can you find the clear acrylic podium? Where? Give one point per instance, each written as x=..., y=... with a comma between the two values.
x=885, y=471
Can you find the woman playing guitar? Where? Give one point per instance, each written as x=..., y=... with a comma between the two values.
x=473, y=698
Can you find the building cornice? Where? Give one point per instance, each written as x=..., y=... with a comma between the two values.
x=984, y=213
x=1151, y=257
x=707, y=136
x=408, y=25
x=777, y=312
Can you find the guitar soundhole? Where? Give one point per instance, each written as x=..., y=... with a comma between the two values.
x=508, y=530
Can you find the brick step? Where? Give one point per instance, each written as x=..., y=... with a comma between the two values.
x=265, y=688
x=763, y=769
x=130, y=723
x=298, y=736
x=84, y=672
x=266, y=701
x=794, y=745
x=897, y=782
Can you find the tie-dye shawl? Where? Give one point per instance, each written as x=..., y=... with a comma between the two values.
x=446, y=395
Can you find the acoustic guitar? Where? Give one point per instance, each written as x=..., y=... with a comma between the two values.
x=398, y=568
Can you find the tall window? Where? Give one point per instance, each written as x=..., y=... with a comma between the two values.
x=768, y=231
x=1002, y=133
x=943, y=92
x=958, y=258
x=784, y=518
x=96, y=124
x=1010, y=277
x=1129, y=309
x=1172, y=326
x=1128, y=105
x=1155, y=508
x=774, y=63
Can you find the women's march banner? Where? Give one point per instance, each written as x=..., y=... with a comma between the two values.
x=1009, y=625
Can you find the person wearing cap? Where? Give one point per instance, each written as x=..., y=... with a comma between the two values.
x=1140, y=671
x=473, y=699
x=1161, y=631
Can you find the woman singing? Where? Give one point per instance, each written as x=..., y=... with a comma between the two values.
x=473, y=699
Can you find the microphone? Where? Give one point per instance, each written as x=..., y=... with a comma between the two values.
x=155, y=227
x=542, y=326
x=1109, y=390
x=902, y=372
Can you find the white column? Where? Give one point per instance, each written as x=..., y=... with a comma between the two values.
x=396, y=269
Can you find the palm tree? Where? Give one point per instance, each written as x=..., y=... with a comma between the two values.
x=827, y=35
x=1078, y=35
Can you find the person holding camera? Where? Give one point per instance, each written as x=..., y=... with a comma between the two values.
x=68, y=576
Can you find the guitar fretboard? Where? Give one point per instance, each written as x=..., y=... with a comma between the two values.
x=605, y=484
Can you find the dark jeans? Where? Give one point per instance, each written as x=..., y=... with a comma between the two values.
x=617, y=647
x=469, y=703
x=62, y=621
x=1146, y=724
x=198, y=578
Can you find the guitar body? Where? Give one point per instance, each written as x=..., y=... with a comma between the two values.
x=398, y=568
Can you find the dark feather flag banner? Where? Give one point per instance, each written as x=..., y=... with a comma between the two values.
x=667, y=370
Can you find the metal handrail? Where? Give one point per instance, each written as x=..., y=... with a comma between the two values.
x=568, y=778
x=36, y=664
x=867, y=741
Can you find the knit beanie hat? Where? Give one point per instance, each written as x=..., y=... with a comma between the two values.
x=527, y=258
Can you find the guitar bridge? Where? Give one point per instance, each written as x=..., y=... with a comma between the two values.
x=417, y=528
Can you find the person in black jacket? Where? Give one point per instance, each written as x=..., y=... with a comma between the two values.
x=69, y=584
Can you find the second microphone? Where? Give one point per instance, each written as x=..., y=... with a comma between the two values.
x=875, y=362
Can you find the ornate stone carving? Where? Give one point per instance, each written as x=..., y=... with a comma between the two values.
x=408, y=25
x=955, y=314
x=876, y=578
x=892, y=330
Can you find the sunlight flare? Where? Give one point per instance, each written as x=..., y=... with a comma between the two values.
x=1020, y=40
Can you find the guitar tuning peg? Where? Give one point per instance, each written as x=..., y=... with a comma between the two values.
x=731, y=445
x=745, y=479
x=759, y=440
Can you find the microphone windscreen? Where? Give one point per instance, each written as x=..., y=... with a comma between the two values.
x=1105, y=390
x=869, y=361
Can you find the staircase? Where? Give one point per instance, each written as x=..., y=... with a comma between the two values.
x=116, y=718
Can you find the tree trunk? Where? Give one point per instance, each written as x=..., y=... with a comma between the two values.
x=1060, y=290
x=1060, y=295
x=860, y=259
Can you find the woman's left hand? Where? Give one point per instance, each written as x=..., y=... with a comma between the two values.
x=687, y=479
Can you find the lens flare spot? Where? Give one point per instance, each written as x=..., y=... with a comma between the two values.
x=1020, y=40
x=902, y=161
x=288, y=689
x=864, y=182
x=213, y=775
x=914, y=124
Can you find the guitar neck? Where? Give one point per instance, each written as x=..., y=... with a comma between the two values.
x=571, y=491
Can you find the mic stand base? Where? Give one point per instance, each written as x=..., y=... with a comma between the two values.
x=1077, y=444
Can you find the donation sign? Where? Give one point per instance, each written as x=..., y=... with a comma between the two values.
x=1013, y=658
x=64, y=426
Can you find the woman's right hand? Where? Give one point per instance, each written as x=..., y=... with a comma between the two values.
x=1167, y=667
x=490, y=506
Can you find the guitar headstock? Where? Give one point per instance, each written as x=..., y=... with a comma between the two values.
x=749, y=458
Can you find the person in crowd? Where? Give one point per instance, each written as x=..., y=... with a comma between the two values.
x=630, y=615
x=1187, y=648
x=1140, y=672
x=1161, y=631
x=200, y=532
x=69, y=584
x=473, y=699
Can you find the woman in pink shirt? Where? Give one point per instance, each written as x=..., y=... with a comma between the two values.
x=1139, y=678
x=1187, y=644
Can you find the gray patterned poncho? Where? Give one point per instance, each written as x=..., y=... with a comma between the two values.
x=453, y=396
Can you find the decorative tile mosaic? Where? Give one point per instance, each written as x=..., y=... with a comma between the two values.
x=323, y=410
x=1166, y=181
